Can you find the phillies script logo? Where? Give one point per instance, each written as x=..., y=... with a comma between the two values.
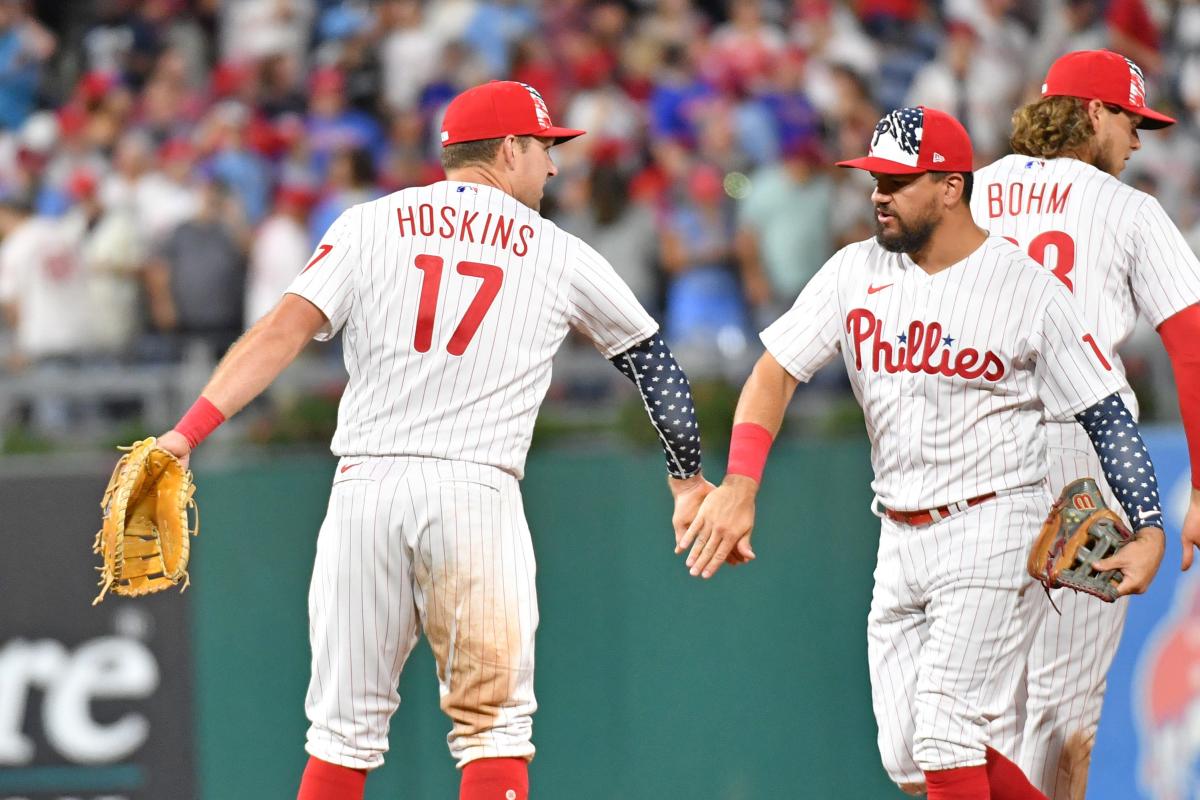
x=924, y=348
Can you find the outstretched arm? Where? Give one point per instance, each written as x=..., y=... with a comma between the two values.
x=667, y=397
x=1129, y=471
x=249, y=367
x=722, y=528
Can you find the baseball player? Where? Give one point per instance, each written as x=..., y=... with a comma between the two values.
x=956, y=343
x=452, y=299
x=1058, y=198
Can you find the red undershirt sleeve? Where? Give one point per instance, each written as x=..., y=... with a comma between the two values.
x=1181, y=337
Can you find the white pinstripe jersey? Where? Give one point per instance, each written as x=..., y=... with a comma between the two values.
x=453, y=298
x=1112, y=245
x=952, y=370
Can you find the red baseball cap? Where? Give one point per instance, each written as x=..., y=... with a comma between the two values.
x=909, y=141
x=1106, y=76
x=497, y=109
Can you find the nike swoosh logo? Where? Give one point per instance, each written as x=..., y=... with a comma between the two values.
x=874, y=289
x=349, y=466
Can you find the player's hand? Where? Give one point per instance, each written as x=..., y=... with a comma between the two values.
x=722, y=527
x=689, y=493
x=1138, y=560
x=1191, y=529
x=174, y=443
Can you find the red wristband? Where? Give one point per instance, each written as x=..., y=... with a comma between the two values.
x=199, y=421
x=748, y=448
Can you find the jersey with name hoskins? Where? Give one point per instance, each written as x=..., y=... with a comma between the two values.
x=1112, y=245
x=453, y=299
x=954, y=370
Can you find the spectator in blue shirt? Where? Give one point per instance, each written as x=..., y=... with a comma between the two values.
x=24, y=47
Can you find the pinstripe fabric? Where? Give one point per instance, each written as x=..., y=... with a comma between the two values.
x=414, y=544
x=1128, y=257
x=938, y=438
x=452, y=299
x=1071, y=654
x=1124, y=257
x=950, y=619
x=479, y=406
x=955, y=373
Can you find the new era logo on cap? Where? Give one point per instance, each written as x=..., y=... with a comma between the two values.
x=904, y=142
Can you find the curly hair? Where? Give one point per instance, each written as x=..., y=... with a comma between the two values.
x=1051, y=127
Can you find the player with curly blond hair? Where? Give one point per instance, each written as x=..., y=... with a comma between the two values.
x=1058, y=196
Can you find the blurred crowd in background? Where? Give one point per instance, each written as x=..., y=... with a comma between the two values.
x=167, y=166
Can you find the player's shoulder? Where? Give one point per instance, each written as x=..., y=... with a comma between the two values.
x=1001, y=254
x=1003, y=166
x=1016, y=269
x=1019, y=168
x=857, y=254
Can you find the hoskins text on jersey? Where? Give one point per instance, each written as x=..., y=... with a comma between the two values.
x=474, y=227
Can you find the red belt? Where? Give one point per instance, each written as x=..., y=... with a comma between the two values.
x=936, y=514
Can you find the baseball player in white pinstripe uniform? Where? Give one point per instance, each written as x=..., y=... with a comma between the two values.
x=1115, y=249
x=956, y=344
x=452, y=299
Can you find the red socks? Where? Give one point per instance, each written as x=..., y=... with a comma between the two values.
x=1007, y=780
x=495, y=779
x=960, y=783
x=325, y=781
x=1000, y=779
x=485, y=779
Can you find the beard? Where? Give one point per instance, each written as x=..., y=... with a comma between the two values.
x=910, y=238
x=1103, y=158
x=1106, y=163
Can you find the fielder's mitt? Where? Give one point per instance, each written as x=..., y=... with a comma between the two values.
x=1079, y=531
x=145, y=535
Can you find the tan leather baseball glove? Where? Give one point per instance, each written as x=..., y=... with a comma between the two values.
x=1079, y=531
x=144, y=538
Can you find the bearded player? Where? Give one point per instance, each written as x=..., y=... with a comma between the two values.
x=956, y=344
x=1058, y=198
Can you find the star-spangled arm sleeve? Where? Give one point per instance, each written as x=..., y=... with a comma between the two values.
x=1124, y=459
x=667, y=396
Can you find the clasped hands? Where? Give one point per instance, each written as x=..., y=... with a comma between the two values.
x=714, y=521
